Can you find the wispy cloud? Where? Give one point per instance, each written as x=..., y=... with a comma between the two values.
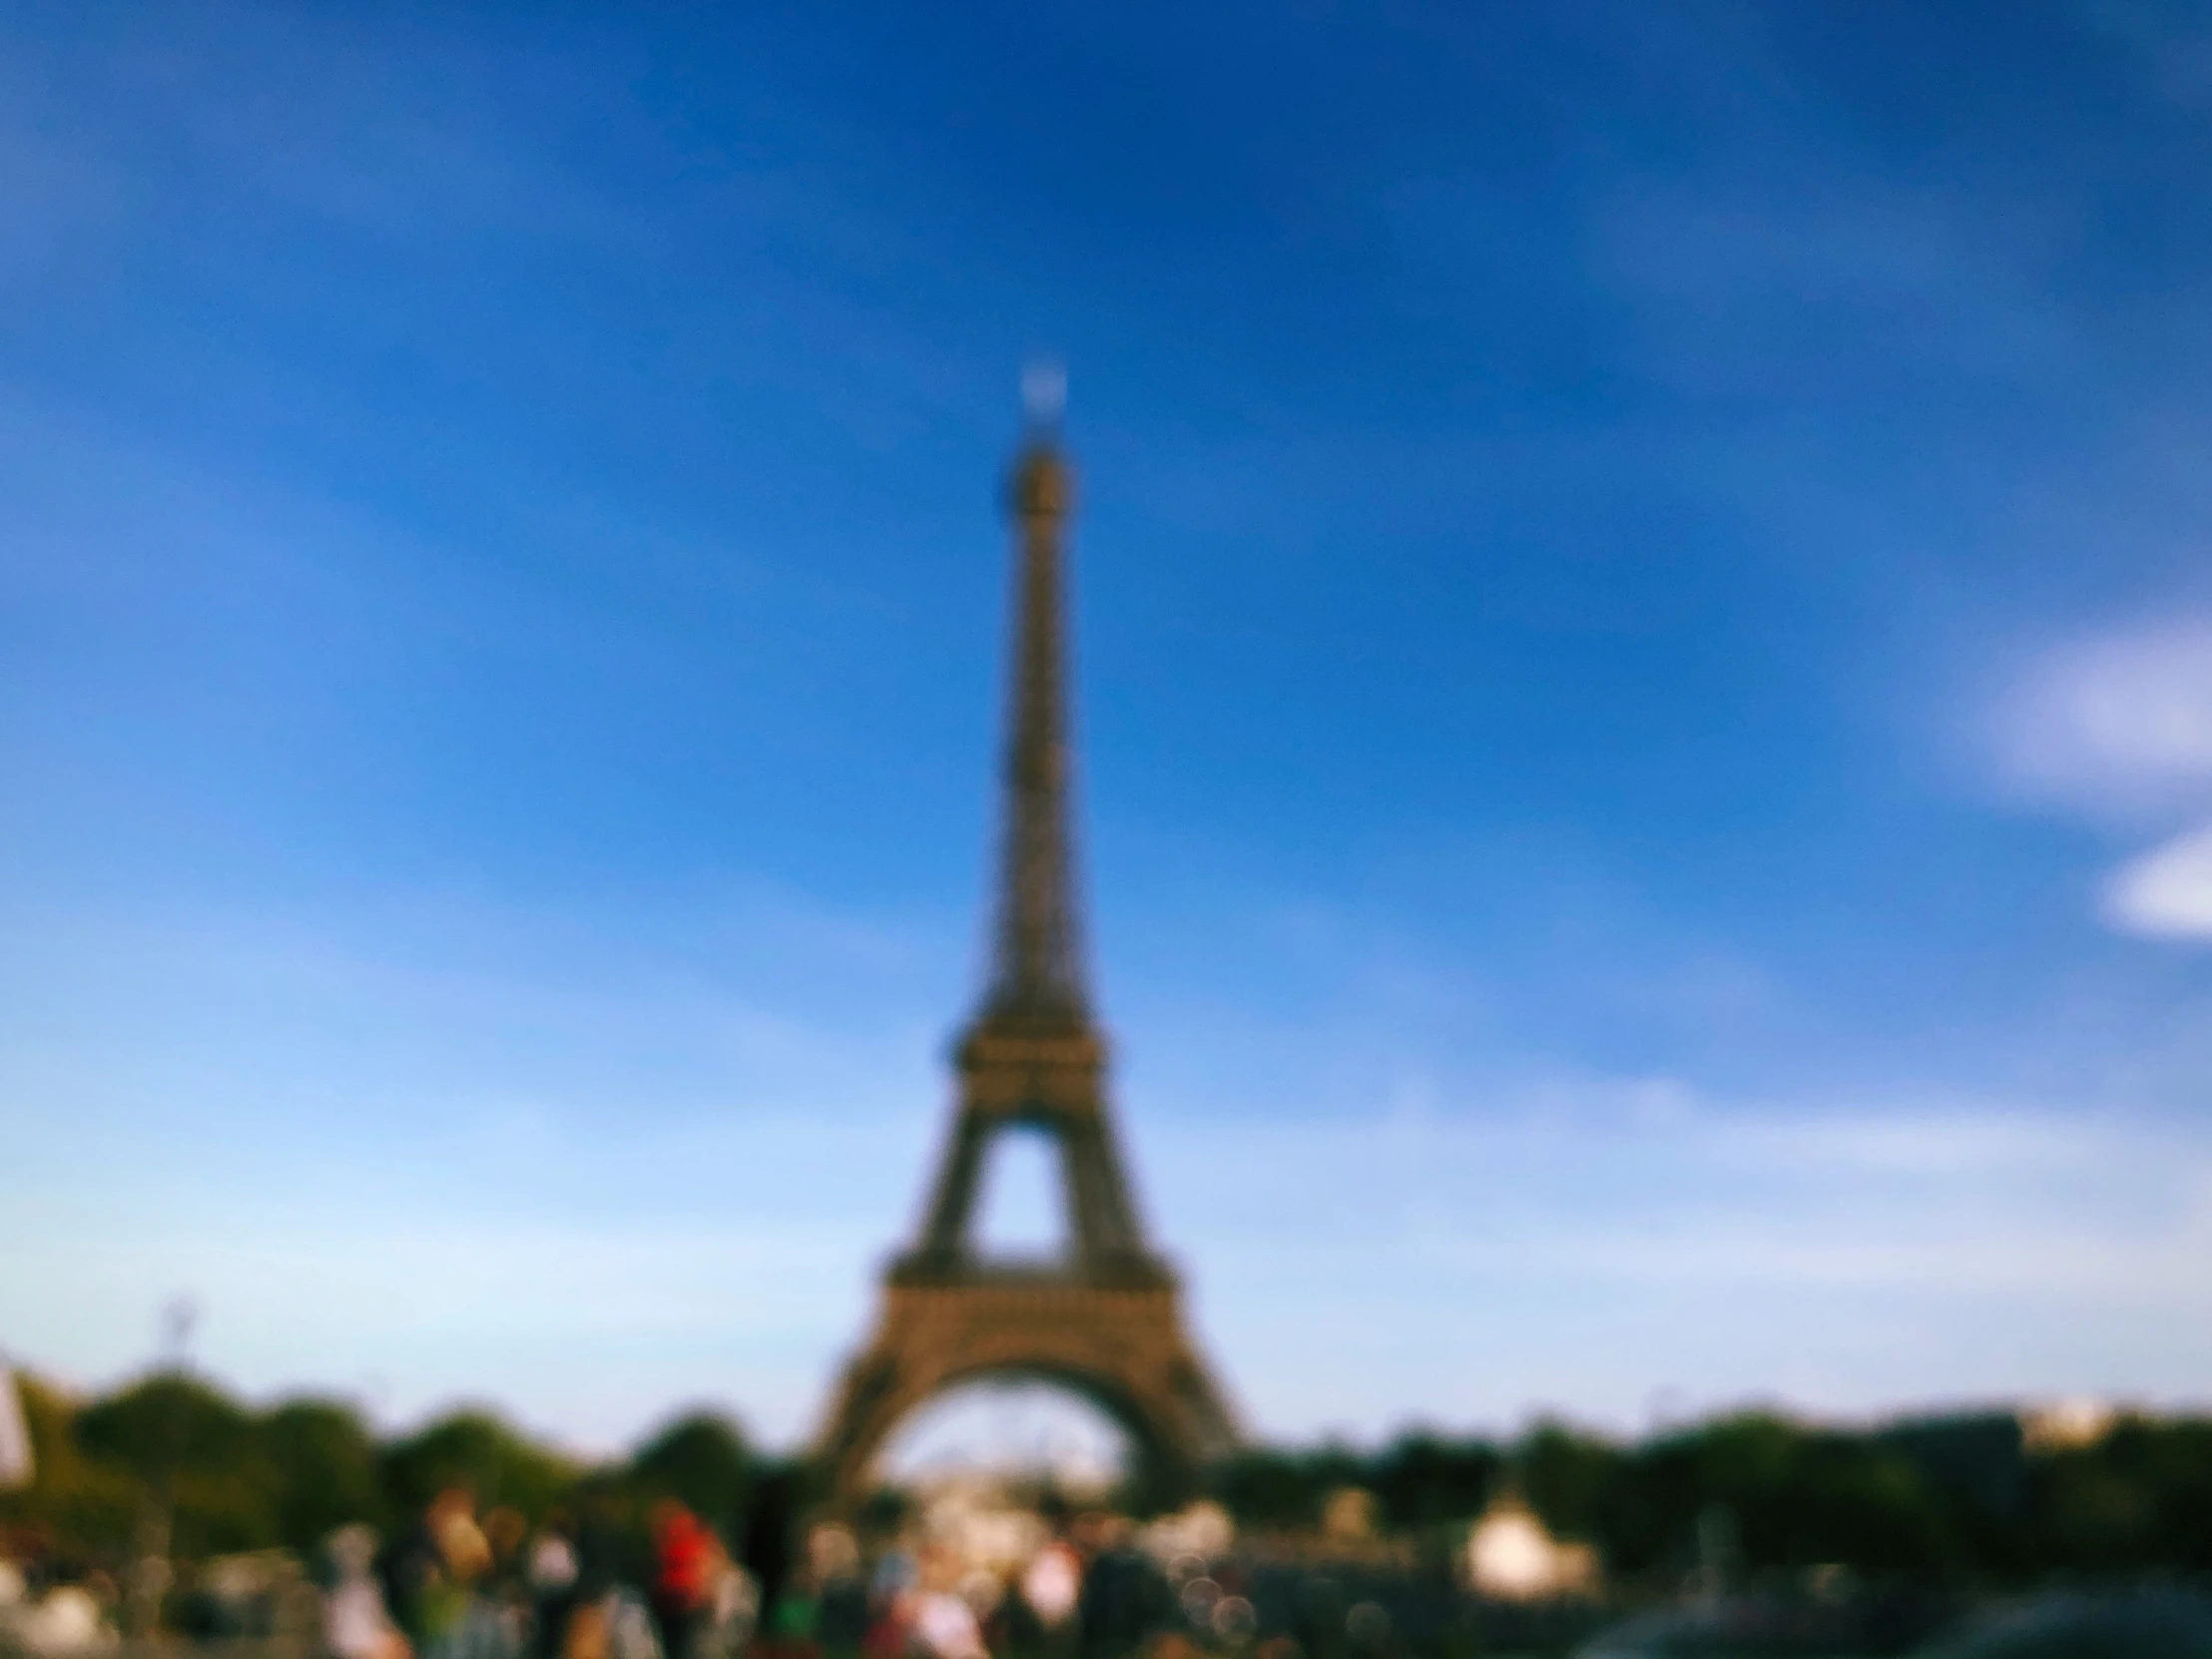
x=1847, y=284
x=474, y=1153
x=2116, y=722
x=431, y=1148
x=2116, y=726
x=2170, y=39
x=1856, y=1256
x=2166, y=891
x=389, y=134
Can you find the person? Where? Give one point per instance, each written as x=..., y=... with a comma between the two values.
x=429, y=1574
x=792, y=1630
x=407, y=1569
x=768, y=1540
x=893, y=1597
x=602, y=1566
x=356, y=1622
x=890, y=1633
x=1123, y=1596
x=1052, y=1583
x=945, y=1622
x=551, y=1573
x=503, y=1591
x=682, y=1559
x=731, y=1612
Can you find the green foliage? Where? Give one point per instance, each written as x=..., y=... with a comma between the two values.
x=80, y=1508
x=1952, y=1500
x=166, y=1422
x=236, y=1479
x=1976, y=1470
x=1423, y=1480
x=1272, y=1488
x=1795, y=1496
x=1937, y=1501
x=702, y=1461
x=2142, y=1496
x=476, y=1449
x=1568, y=1477
x=328, y=1461
x=178, y=1437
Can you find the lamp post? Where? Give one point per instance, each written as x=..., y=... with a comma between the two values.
x=152, y=1572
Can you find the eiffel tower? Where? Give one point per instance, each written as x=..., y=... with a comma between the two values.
x=1104, y=1319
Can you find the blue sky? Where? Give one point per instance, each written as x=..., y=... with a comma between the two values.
x=1645, y=652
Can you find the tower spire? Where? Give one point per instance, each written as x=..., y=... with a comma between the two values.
x=1037, y=976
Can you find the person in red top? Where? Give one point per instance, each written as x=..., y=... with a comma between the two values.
x=684, y=1554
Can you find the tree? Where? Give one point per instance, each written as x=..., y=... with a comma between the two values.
x=327, y=1460
x=1570, y=1479
x=1264, y=1486
x=477, y=1449
x=702, y=1461
x=75, y=1505
x=1423, y=1480
x=194, y=1454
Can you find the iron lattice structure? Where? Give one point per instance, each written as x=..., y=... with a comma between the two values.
x=1106, y=1318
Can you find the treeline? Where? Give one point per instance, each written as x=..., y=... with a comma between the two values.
x=1962, y=1499
x=238, y=1480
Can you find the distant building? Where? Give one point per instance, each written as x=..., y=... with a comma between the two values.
x=1511, y=1556
x=16, y=1465
x=2065, y=1425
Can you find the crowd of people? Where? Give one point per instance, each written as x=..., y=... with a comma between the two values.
x=967, y=1575
x=456, y=1584
x=459, y=1583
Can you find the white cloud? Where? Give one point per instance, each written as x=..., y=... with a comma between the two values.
x=2167, y=893
x=2120, y=721
x=2117, y=727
